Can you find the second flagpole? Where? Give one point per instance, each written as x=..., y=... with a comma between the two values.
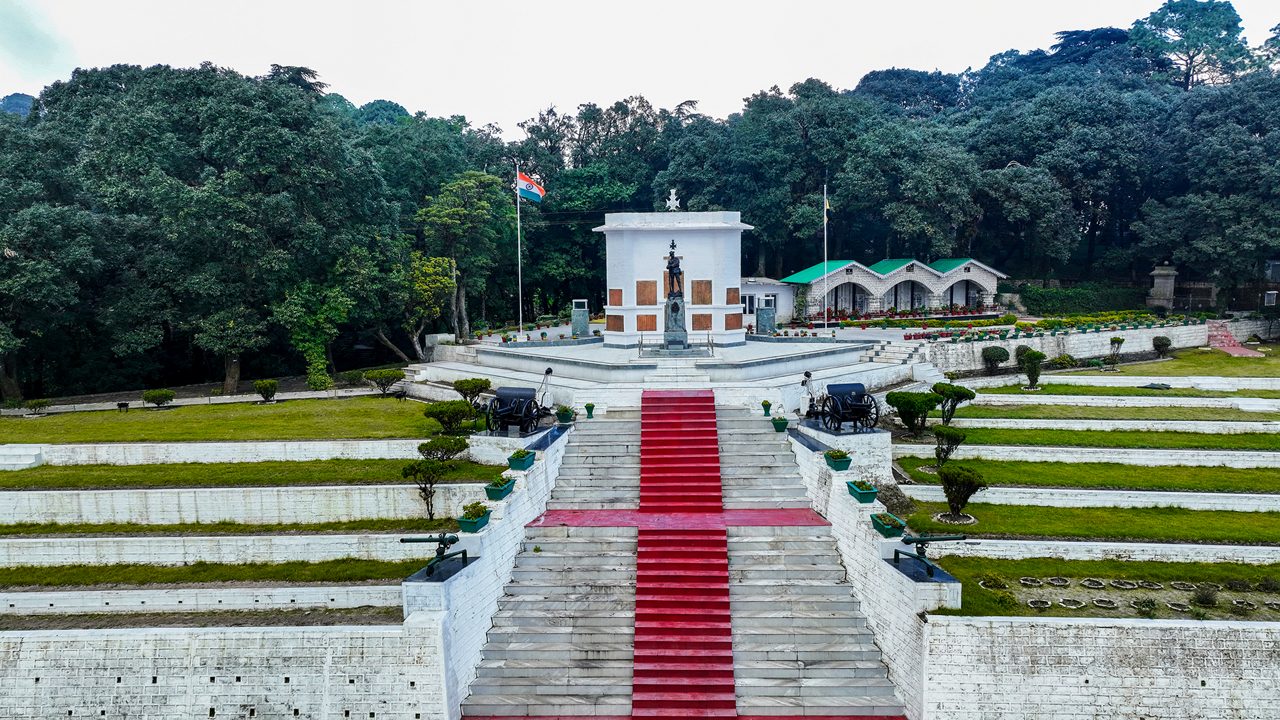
x=519, y=263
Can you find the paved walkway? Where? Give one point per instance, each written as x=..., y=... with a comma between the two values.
x=1220, y=338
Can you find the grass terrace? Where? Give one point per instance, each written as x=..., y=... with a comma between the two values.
x=1089, y=412
x=379, y=525
x=345, y=570
x=1050, y=388
x=1118, y=439
x=1206, y=361
x=350, y=418
x=981, y=601
x=212, y=475
x=1100, y=476
x=1171, y=525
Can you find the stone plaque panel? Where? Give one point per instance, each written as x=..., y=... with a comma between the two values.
x=732, y=297
x=613, y=323
x=701, y=321
x=701, y=293
x=647, y=323
x=615, y=296
x=646, y=292
x=733, y=321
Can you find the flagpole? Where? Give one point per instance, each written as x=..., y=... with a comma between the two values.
x=519, y=262
x=826, y=280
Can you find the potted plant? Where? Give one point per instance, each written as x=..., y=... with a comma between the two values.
x=861, y=490
x=474, y=517
x=888, y=524
x=779, y=424
x=500, y=488
x=564, y=414
x=521, y=459
x=766, y=405
x=837, y=459
x=591, y=407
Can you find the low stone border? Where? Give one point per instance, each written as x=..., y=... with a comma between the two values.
x=152, y=600
x=137, y=405
x=1126, y=456
x=1079, y=497
x=1213, y=427
x=1097, y=550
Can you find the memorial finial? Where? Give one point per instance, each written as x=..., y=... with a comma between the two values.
x=673, y=203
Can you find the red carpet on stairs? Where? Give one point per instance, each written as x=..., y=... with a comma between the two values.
x=683, y=640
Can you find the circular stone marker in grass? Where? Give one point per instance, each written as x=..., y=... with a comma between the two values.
x=1180, y=607
x=1058, y=581
x=1124, y=584
x=1039, y=604
x=1093, y=583
x=1106, y=603
x=1246, y=604
x=1148, y=585
x=1030, y=582
x=1179, y=585
x=1071, y=603
x=947, y=519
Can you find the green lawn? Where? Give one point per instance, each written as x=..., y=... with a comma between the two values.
x=1050, y=388
x=1206, y=361
x=359, y=417
x=1128, y=524
x=383, y=525
x=1110, y=475
x=345, y=570
x=1090, y=412
x=1120, y=439
x=979, y=601
x=262, y=474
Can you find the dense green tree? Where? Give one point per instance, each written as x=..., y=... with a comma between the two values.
x=1202, y=38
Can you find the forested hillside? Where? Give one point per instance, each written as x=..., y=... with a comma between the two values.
x=166, y=225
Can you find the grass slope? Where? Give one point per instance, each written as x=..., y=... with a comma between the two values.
x=1206, y=361
x=1122, y=439
x=1110, y=476
x=1089, y=412
x=350, y=418
x=345, y=570
x=1129, y=524
x=209, y=475
x=979, y=601
x=1050, y=388
x=381, y=525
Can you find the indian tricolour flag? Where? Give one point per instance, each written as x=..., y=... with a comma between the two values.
x=528, y=189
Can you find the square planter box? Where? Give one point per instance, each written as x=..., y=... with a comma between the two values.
x=472, y=526
x=523, y=463
x=780, y=424
x=841, y=464
x=862, y=496
x=883, y=529
x=498, y=493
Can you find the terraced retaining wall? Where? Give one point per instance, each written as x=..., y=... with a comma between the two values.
x=994, y=668
x=1126, y=456
x=252, y=505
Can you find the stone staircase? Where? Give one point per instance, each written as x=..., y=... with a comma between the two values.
x=20, y=457
x=561, y=641
x=1220, y=338
x=757, y=467
x=601, y=466
x=893, y=352
x=676, y=373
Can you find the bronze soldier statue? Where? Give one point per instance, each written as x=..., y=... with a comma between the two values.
x=675, y=276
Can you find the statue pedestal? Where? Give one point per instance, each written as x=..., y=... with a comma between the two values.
x=674, y=336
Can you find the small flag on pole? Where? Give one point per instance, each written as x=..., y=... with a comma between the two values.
x=528, y=189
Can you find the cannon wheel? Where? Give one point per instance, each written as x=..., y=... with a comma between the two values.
x=871, y=417
x=529, y=417
x=491, y=417
x=831, y=414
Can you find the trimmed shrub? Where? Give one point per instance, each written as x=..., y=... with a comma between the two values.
x=266, y=389
x=384, y=379
x=1161, y=345
x=450, y=413
x=993, y=357
x=913, y=408
x=1062, y=362
x=1031, y=363
x=1083, y=298
x=952, y=396
x=471, y=388
x=1019, y=353
x=948, y=439
x=158, y=397
x=351, y=378
x=37, y=406
x=959, y=483
x=426, y=474
x=318, y=378
x=443, y=449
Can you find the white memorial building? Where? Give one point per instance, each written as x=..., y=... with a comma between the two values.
x=709, y=246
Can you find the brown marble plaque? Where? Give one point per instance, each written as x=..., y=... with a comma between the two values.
x=615, y=296
x=733, y=321
x=701, y=292
x=732, y=296
x=613, y=323
x=646, y=292
x=647, y=323
x=702, y=321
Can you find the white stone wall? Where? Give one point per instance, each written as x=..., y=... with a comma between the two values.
x=136, y=405
x=1078, y=669
x=1071, y=377
x=1198, y=426
x=180, y=673
x=1042, y=398
x=1127, y=456
x=1078, y=497
x=202, y=599
x=968, y=356
x=254, y=505
x=1091, y=550
x=491, y=450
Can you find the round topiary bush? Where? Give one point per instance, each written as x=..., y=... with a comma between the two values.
x=384, y=379
x=993, y=357
x=266, y=388
x=1031, y=363
x=37, y=406
x=1161, y=345
x=450, y=413
x=159, y=397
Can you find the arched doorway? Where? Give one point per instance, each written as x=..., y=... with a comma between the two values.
x=906, y=295
x=848, y=297
x=964, y=293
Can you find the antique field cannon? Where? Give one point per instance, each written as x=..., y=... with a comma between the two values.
x=517, y=406
x=443, y=541
x=842, y=403
x=922, y=548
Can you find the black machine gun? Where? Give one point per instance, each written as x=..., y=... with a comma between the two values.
x=443, y=540
x=922, y=546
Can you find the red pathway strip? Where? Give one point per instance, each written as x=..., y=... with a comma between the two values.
x=781, y=517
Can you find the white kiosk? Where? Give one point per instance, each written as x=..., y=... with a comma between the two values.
x=709, y=246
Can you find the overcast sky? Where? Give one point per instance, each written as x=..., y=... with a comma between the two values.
x=501, y=61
